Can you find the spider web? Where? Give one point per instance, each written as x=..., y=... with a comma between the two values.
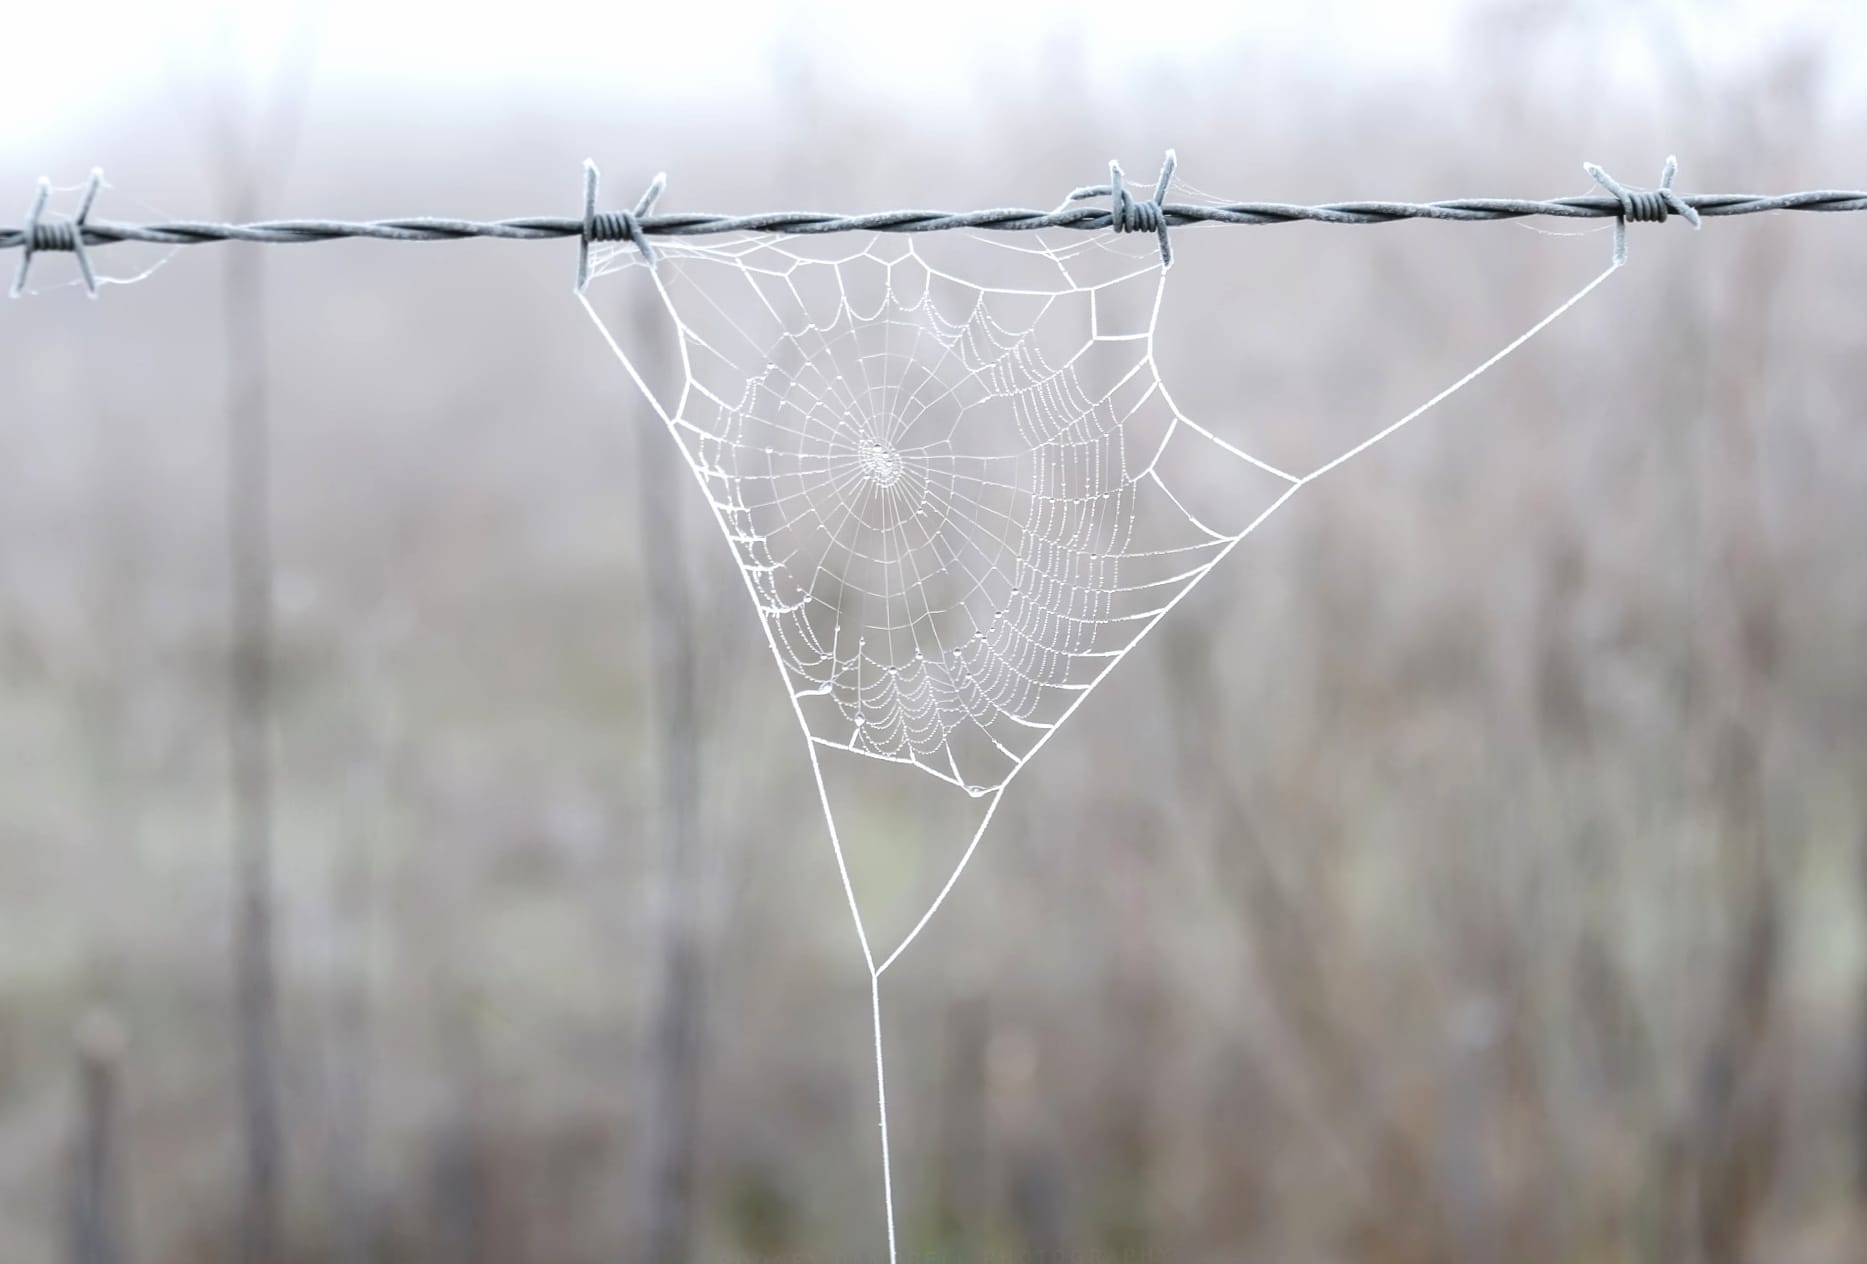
x=956, y=506
x=951, y=514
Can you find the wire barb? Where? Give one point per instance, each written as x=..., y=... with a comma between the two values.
x=1128, y=215
x=68, y=236
x=614, y=225
x=1643, y=206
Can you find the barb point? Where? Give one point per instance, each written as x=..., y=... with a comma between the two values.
x=1126, y=213
x=39, y=235
x=590, y=179
x=1645, y=206
x=614, y=225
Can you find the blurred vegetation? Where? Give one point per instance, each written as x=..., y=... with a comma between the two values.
x=1472, y=870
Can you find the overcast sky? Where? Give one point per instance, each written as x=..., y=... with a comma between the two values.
x=67, y=64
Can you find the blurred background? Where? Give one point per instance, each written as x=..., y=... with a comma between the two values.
x=407, y=852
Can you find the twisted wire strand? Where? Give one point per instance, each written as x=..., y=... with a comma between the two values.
x=103, y=232
x=1123, y=213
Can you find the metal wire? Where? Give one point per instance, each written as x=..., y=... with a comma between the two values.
x=1125, y=213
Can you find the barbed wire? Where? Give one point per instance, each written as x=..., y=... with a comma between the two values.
x=1125, y=213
